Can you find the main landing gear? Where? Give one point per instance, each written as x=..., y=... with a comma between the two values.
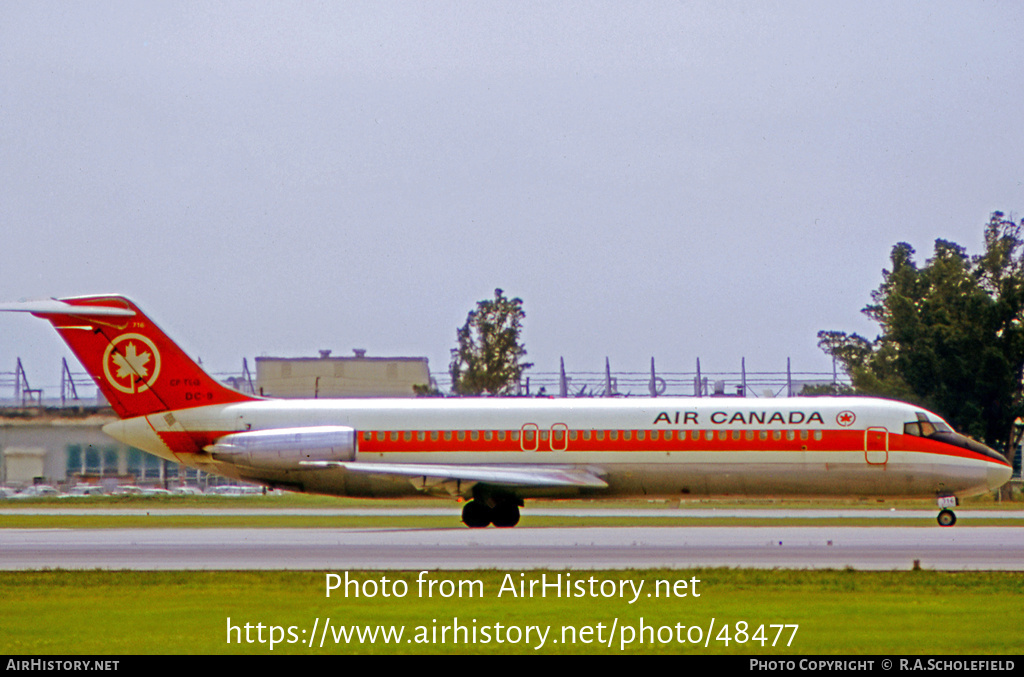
x=501, y=512
x=946, y=516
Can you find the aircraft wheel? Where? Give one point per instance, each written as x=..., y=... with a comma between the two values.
x=946, y=518
x=476, y=514
x=506, y=515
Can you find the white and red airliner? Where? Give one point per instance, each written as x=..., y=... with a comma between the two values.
x=496, y=452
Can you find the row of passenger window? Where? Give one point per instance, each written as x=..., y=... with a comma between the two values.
x=558, y=434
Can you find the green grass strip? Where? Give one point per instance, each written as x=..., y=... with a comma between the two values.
x=838, y=612
x=296, y=500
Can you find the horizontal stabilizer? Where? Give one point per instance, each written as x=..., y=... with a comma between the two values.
x=55, y=307
x=520, y=476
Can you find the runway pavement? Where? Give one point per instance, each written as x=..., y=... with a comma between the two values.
x=836, y=547
x=766, y=514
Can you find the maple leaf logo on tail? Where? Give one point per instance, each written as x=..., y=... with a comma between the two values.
x=131, y=363
x=134, y=373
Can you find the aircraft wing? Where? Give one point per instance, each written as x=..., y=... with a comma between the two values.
x=504, y=475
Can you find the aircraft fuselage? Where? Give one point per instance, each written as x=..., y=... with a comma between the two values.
x=664, y=447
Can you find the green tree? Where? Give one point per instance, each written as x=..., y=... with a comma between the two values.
x=848, y=349
x=489, y=355
x=952, y=334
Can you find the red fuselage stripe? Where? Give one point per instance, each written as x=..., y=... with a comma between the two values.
x=593, y=441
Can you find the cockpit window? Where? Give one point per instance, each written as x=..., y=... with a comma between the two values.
x=925, y=427
x=937, y=431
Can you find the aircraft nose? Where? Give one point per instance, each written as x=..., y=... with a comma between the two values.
x=998, y=475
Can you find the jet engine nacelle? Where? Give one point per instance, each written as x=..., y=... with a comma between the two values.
x=285, y=448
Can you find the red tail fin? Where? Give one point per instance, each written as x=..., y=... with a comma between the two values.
x=136, y=366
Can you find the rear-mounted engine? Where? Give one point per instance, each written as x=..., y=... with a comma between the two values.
x=285, y=448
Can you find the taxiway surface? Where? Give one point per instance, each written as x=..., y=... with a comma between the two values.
x=826, y=547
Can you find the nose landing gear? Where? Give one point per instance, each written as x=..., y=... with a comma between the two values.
x=946, y=516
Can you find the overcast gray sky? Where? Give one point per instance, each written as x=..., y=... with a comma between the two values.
x=666, y=179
